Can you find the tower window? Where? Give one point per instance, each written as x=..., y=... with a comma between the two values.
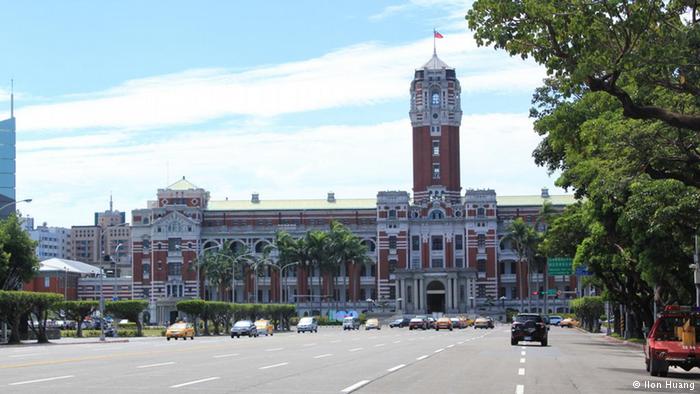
x=415, y=243
x=436, y=242
x=436, y=170
x=434, y=129
x=436, y=147
x=436, y=99
x=392, y=242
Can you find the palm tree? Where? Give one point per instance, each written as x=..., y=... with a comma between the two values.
x=524, y=238
x=220, y=267
x=346, y=247
x=292, y=250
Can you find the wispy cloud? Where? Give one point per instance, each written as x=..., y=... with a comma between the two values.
x=450, y=6
x=359, y=75
x=354, y=161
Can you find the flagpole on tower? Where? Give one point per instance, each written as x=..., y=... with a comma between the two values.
x=434, y=36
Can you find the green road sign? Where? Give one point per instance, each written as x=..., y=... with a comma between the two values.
x=551, y=292
x=559, y=265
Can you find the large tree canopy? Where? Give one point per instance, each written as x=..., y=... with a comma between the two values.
x=604, y=46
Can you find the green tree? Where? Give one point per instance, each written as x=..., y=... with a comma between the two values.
x=195, y=309
x=128, y=309
x=18, y=260
x=524, y=240
x=588, y=310
x=77, y=311
x=41, y=305
x=601, y=46
x=14, y=305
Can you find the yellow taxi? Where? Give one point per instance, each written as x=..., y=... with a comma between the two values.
x=180, y=330
x=569, y=322
x=264, y=327
x=444, y=323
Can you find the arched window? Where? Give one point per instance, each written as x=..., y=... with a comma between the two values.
x=436, y=214
x=435, y=98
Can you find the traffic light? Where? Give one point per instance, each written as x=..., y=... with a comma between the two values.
x=106, y=258
x=535, y=292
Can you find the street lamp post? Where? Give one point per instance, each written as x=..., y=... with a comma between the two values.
x=281, y=270
x=102, y=301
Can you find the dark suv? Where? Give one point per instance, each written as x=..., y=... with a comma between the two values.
x=528, y=327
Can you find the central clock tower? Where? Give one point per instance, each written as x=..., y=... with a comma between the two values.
x=436, y=115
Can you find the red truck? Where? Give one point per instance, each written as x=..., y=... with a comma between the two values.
x=672, y=341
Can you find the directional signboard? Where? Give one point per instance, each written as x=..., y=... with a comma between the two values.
x=582, y=271
x=559, y=265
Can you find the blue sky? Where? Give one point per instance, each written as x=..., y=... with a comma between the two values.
x=287, y=99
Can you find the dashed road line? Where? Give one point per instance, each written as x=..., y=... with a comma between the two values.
x=396, y=368
x=26, y=355
x=355, y=349
x=226, y=355
x=522, y=353
x=274, y=366
x=379, y=345
x=156, y=365
x=323, y=355
x=521, y=371
x=439, y=350
x=194, y=382
x=397, y=341
x=449, y=346
x=41, y=380
x=422, y=357
x=274, y=349
x=520, y=389
x=522, y=360
x=355, y=386
x=309, y=344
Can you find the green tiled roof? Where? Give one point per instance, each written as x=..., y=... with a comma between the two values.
x=532, y=200
x=182, y=184
x=272, y=205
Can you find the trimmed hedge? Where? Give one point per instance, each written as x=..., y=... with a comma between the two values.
x=220, y=314
x=15, y=304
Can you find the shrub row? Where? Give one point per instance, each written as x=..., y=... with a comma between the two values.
x=16, y=306
x=220, y=314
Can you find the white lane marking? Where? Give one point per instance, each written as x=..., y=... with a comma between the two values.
x=275, y=349
x=397, y=341
x=310, y=344
x=523, y=347
x=449, y=346
x=355, y=386
x=26, y=355
x=194, y=382
x=459, y=343
x=41, y=380
x=522, y=353
x=323, y=355
x=355, y=349
x=156, y=365
x=273, y=366
x=396, y=368
x=422, y=357
x=520, y=389
x=521, y=371
x=439, y=350
x=336, y=341
x=226, y=355
x=522, y=360
x=379, y=345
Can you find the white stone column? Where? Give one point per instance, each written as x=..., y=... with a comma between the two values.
x=448, y=295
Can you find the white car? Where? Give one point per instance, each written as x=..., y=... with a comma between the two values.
x=307, y=324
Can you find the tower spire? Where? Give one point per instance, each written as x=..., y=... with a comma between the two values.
x=110, y=201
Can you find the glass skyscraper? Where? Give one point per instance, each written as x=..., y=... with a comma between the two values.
x=7, y=165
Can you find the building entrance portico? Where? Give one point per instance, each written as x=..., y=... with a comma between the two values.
x=435, y=297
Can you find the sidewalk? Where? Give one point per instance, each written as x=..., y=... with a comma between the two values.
x=613, y=340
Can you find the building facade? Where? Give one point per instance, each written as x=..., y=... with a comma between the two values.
x=439, y=250
x=52, y=242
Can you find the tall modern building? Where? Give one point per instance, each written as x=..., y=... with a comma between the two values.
x=7, y=162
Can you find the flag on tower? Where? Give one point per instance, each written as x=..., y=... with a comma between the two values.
x=437, y=34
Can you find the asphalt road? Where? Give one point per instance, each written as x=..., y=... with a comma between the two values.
x=334, y=361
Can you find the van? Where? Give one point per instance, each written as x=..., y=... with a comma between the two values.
x=351, y=323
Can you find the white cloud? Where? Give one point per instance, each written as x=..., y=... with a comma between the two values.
x=359, y=75
x=353, y=161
